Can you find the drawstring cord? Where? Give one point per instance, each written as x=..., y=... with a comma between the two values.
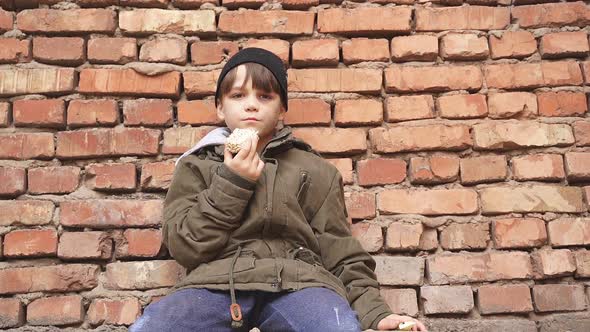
x=234, y=309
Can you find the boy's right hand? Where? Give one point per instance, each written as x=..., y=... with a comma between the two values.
x=246, y=162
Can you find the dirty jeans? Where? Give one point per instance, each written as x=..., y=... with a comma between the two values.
x=197, y=309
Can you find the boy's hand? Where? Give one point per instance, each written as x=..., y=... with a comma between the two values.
x=246, y=162
x=392, y=321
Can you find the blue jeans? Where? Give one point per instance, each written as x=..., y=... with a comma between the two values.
x=198, y=309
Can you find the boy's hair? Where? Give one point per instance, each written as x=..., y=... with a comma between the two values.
x=262, y=79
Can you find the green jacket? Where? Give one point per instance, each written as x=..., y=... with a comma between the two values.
x=291, y=227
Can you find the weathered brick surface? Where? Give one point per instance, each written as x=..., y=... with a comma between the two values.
x=26, y=212
x=56, y=310
x=519, y=233
x=494, y=299
x=150, y=21
x=128, y=82
x=111, y=213
x=114, y=312
x=58, y=278
x=41, y=80
x=12, y=313
x=143, y=275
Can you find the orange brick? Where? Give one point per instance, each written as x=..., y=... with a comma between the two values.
x=212, y=52
x=462, y=18
x=419, y=138
x=456, y=46
x=404, y=108
x=235, y=4
x=483, y=169
x=334, y=140
x=353, y=112
x=255, y=22
x=401, y=301
x=549, y=298
x=5, y=114
x=496, y=299
x=147, y=112
x=582, y=133
x=551, y=263
x=93, y=112
x=447, y=299
x=511, y=135
x=13, y=181
x=56, y=278
x=200, y=83
x=564, y=45
x=111, y=213
x=540, y=167
x=428, y=202
x=533, y=75
x=434, y=169
x=364, y=49
x=368, y=234
x=114, y=312
x=582, y=263
x=497, y=200
x=316, y=52
x=13, y=50
x=335, y=80
x=462, y=106
x=569, y=231
x=157, y=21
x=360, y=205
x=414, y=48
x=67, y=21
x=403, y=236
x=139, y=243
x=164, y=49
x=30, y=243
x=59, y=50
x=198, y=112
x=546, y=15
x=56, y=310
x=143, y=275
x=562, y=103
x=24, y=146
x=365, y=20
x=344, y=166
x=456, y=236
x=577, y=166
x=156, y=176
x=84, y=245
x=278, y=46
x=26, y=212
x=112, y=50
x=53, y=180
x=36, y=80
x=129, y=82
x=312, y=111
x=432, y=78
x=512, y=44
x=39, y=113
x=6, y=20
x=178, y=140
x=111, y=177
x=381, y=171
x=586, y=70
x=512, y=104
x=12, y=313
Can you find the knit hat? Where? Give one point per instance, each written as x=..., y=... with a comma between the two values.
x=262, y=57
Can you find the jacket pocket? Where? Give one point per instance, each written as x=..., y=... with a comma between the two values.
x=221, y=267
x=304, y=183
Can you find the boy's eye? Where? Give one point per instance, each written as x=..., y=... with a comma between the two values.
x=236, y=95
x=267, y=97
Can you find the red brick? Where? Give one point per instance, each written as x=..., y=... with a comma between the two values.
x=360, y=205
x=401, y=301
x=84, y=245
x=212, y=52
x=547, y=15
x=26, y=212
x=164, y=49
x=457, y=46
x=466, y=236
x=434, y=169
x=582, y=263
x=344, y=166
x=277, y=46
x=381, y=171
x=6, y=20
x=369, y=235
x=145, y=3
x=364, y=49
x=533, y=75
x=428, y=202
x=235, y=4
x=335, y=80
x=512, y=44
x=13, y=181
x=577, y=166
x=12, y=313
x=569, y=231
x=462, y=18
x=540, y=167
x=198, y=112
x=419, y=138
x=129, y=82
x=59, y=50
x=94, y=112
x=559, y=298
x=24, y=146
x=432, y=78
x=36, y=81
x=403, y=236
x=39, y=113
x=462, y=106
x=315, y=52
x=404, y=108
x=13, y=50
x=30, y=243
x=178, y=140
x=483, y=169
x=512, y=104
x=158, y=21
x=53, y=180
x=501, y=299
x=509, y=135
x=112, y=50
x=447, y=299
x=114, y=312
x=107, y=142
x=5, y=114
x=111, y=213
x=414, y=48
x=312, y=111
x=67, y=21
x=388, y=271
x=200, y=83
x=156, y=176
x=56, y=310
x=192, y=4
x=143, y=275
x=147, y=112
x=562, y=103
x=354, y=112
x=254, y=22
x=582, y=133
x=365, y=20
x=139, y=243
x=564, y=45
x=533, y=198
x=586, y=70
x=56, y=278
x=477, y=267
x=551, y=263
x=334, y=140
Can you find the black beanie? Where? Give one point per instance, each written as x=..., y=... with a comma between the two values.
x=262, y=57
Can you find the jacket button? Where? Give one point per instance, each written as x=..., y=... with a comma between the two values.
x=300, y=248
x=273, y=285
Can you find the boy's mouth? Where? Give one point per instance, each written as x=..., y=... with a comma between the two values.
x=251, y=119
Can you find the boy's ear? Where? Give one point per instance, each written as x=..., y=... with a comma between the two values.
x=282, y=113
x=220, y=114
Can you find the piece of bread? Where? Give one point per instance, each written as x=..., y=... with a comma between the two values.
x=235, y=141
x=406, y=326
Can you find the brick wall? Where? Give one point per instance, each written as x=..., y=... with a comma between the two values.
x=460, y=127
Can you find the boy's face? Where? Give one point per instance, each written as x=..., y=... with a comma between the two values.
x=249, y=108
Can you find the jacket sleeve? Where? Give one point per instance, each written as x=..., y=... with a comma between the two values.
x=198, y=220
x=343, y=256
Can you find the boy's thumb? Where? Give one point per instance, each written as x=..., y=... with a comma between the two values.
x=227, y=154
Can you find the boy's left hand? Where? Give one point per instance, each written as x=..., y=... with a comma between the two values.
x=392, y=321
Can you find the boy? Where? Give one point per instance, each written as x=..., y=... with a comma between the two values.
x=268, y=224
